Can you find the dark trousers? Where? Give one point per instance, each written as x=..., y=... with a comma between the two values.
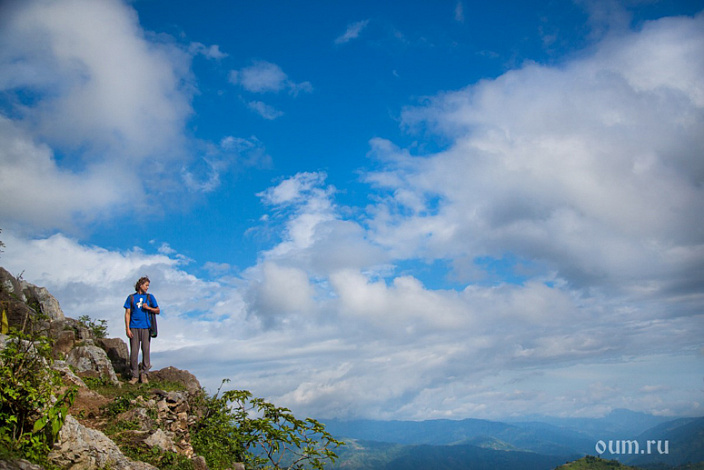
x=140, y=336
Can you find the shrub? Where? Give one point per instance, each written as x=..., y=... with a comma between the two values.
x=99, y=328
x=236, y=427
x=30, y=416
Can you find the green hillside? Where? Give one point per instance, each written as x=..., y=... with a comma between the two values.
x=595, y=463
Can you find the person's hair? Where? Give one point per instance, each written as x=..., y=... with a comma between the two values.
x=141, y=281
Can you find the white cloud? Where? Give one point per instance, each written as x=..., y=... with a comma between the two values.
x=591, y=169
x=264, y=110
x=210, y=52
x=353, y=31
x=36, y=191
x=103, y=85
x=265, y=77
x=589, y=174
x=106, y=97
x=296, y=189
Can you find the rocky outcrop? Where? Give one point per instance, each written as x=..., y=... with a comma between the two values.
x=19, y=292
x=82, y=448
x=18, y=465
x=163, y=419
x=48, y=304
x=9, y=284
x=91, y=361
x=183, y=377
x=118, y=353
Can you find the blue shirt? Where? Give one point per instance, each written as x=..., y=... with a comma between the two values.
x=139, y=318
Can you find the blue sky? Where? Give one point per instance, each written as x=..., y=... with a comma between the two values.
x=403, y=210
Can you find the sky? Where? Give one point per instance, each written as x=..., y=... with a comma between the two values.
x=387, y=210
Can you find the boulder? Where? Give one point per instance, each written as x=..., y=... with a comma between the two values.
x=172, y=374
x=82, y=448
x=161, y=440
x=117, y=352
x=199, y=463
x=19, y=465
x=67, y=374
x=10, y=285
x=91, y=361
x=63, y=343
x=47, y=303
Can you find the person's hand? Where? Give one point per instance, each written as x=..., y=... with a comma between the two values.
x=129, y=333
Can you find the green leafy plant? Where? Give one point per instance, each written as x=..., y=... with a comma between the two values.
x=99, y=328
x=236, y=427
x=32, y=409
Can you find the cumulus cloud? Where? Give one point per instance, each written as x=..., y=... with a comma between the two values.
x=584, y=179
x=102, y=84
x=591, y=169
x=89, y=95
x=589, y=175
x=36, y=191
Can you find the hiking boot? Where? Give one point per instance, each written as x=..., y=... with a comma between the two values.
x=133, y=381
x=144, y=378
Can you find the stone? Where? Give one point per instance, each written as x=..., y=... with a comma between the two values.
x=172, y=374
x=92, y=361
x=117, y=352
x=82, y=448
x=67, y=374
x=19, y=465
x=138, y=415
x=199, y=463
x=9, y=284
x=64, y=342
x=160, y=440
x=47, y=302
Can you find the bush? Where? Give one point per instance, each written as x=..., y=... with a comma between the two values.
x=99, y=328
x=30, y=416
x=236, y=427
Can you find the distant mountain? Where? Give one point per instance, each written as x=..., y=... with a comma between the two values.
x=433, y=432
x=478, y=444
x=533, y=437
x=676, y=442
x=466, y=457
x=619, y=424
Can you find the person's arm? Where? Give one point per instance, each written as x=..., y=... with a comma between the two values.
x=127, y=323
x=149, y=308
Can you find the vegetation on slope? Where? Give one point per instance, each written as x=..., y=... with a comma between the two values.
x=595, y=463
x=230, y=427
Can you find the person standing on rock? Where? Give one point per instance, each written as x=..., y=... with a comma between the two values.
x=138, y=306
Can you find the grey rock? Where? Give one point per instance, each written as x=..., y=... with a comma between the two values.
x=92, y=361
x=63, y=343
x=67, y=374
x=172, y=374
x=161, y=440
x=19, y=465
x=82, y=448
x=11, y=285
x=117, y=352
x=47, y=302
